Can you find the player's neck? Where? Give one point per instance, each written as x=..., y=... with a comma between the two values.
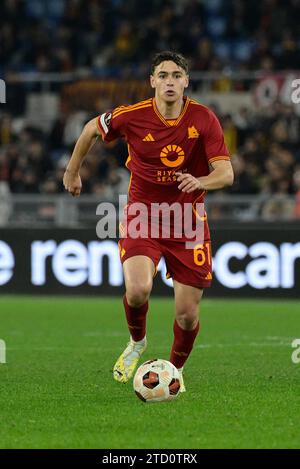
x=169, y=110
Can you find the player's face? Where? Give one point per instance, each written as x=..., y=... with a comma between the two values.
x=169, y=81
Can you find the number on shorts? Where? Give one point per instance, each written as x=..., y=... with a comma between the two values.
x=199, y=254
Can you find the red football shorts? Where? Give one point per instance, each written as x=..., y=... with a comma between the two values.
x=188, y=266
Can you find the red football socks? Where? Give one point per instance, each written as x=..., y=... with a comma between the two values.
x=182, y=345
x=136, y=319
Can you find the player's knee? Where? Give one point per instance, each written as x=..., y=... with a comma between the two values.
x=187, y=323
x=137, y=293
x=187, y=316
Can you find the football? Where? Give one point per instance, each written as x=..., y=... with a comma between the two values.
x=156, y=381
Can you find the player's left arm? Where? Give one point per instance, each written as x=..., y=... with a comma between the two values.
x=218, y=159
x=220, y=177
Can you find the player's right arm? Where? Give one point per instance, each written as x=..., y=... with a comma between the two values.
x=72, y=180
x=109, y=125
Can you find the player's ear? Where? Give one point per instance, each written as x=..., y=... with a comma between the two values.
x=152, y=81
x=187, y=81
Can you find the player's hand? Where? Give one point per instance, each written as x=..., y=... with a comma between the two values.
x=72, y=182
x=188, y=183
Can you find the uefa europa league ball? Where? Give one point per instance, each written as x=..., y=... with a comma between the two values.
x=156, y=381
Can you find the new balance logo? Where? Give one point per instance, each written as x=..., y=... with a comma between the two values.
x=148, y=138
x=193, y=132
x=181, y=354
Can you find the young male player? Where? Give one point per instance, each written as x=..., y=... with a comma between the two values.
x=176, y=153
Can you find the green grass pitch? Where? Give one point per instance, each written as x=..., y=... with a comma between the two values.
x=57, y=391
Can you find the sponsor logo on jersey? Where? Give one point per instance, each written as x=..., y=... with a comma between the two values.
x=172, y=156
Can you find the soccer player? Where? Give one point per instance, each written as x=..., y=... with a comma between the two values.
x=176, y=154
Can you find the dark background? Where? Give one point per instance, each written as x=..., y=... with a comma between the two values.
x=248, y=233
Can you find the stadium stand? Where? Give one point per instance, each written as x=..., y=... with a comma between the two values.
x=61, y=37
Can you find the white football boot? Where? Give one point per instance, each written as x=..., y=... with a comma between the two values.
x=182, y=386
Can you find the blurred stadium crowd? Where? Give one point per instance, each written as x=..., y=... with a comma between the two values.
x=117, y=38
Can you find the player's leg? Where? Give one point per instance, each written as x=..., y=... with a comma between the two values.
x=186, y=324
x=191, y=273
x=138, y=274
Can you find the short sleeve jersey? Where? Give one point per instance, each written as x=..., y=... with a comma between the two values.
x=157, y=147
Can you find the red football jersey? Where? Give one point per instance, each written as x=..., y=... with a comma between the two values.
x=157, y=148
